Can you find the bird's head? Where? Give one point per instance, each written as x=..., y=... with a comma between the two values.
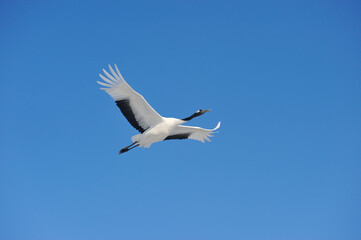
x=201, y=112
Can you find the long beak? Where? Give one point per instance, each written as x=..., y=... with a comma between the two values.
x=208, y=110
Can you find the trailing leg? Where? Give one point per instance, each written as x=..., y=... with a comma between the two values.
x=126, y=149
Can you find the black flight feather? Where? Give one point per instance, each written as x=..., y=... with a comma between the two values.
x=178, y=136
x=124, y=106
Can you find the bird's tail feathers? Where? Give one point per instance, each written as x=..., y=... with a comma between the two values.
x=135, y=138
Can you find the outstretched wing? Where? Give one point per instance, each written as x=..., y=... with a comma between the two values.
x=133, y=106
x=188, y=132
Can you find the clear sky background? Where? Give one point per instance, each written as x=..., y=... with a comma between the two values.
x=284, y=77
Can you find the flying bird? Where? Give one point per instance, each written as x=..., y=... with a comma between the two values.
x=152, y=126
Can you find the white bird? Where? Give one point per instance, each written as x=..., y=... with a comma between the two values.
x=152, y=126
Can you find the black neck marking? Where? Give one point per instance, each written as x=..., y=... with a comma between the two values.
x=191, y=117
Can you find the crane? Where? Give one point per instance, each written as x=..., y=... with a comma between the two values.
x=152, y=126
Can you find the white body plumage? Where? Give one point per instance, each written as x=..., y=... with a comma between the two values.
x=157, y=133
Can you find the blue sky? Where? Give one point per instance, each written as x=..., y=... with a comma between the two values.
x=284, y=77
